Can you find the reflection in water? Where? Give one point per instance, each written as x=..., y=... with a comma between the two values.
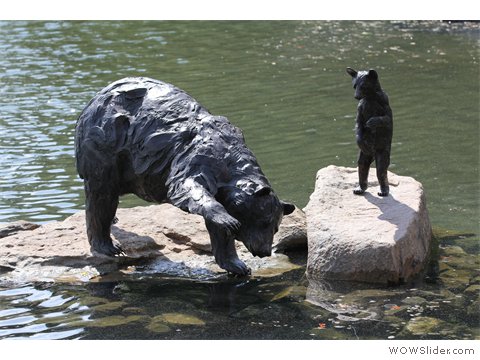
x=321, y=294
x=281, y=307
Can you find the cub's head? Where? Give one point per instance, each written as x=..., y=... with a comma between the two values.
x=365, y=83
x=260, y=213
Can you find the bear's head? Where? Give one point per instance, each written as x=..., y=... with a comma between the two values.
x=260, y=213
x=365, y=83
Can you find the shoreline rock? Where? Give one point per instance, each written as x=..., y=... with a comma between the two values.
x=158, y=239
x=366, y=238
x=360, y=238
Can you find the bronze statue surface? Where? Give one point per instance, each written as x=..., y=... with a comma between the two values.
x=147, y=137
x=374, y=129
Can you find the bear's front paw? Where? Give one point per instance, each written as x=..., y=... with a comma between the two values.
x=236, y=266
x=372, y=124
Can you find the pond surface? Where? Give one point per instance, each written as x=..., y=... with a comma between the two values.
x=284, y=84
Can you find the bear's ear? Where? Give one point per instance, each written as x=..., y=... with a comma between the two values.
x=263, y=191
x=352, y=72
x=372, y=74
x=287, y=208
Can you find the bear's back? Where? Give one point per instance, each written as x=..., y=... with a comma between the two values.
x=141, y=116
x=161, y=130
x=143, y=98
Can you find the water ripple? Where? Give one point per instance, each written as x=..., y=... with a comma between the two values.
x=41, y=314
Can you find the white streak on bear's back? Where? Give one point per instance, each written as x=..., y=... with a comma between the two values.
x=158, y=92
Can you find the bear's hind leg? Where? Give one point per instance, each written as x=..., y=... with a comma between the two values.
x=223, y=248
x=364, y=162
x=100, y=208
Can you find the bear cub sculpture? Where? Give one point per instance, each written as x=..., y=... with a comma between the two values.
x=374, y=129
x=149, y=138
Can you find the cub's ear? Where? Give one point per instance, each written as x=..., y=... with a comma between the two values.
x=287, y=208
x=372, y=74
x=351, y=72
x=263, y=191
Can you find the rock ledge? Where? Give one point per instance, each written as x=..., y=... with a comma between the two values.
x=158, y=239
x=366, y=238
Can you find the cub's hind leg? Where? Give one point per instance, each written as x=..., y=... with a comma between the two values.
x=382, y=160
x=364, y=162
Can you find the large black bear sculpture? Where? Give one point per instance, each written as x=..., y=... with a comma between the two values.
x=374, y=129
x=149, y=138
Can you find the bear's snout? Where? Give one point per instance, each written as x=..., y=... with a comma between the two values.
x=359, y=94
x=262, y=253
x=259, y=249
x=257, y=240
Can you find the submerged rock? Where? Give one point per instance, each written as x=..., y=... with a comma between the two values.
x=366, y=238
x=108, y=321
x=180, y=319
x=473, y=289
x=414, y=300
x=157, y=325
x=424, y=325
x=329, y=334
x=157, y=239
x=110, y=306
x=473, y=310
x=429, y=327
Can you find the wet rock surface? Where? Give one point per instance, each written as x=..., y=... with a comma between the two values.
x=366, y=238
x=156, y=239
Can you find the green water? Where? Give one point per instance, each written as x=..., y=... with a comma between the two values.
x=284, y=84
